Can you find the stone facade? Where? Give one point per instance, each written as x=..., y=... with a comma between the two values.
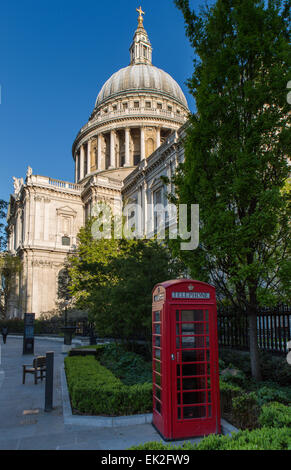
x=132, y=138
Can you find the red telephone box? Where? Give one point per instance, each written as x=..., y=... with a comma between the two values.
x=185, y=359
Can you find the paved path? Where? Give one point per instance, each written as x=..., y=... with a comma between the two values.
x=24, y=425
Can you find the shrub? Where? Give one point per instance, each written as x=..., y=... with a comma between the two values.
x=258, y=439
x=245, y=411
x=234, y=376
x=126, y=365
x=271, y=392
x=95, y=390
x=228, y=391
x=275, y=415
x=273, y=368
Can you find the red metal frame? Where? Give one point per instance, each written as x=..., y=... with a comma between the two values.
x=185, y=359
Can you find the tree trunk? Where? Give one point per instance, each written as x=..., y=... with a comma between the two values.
x=254, y=349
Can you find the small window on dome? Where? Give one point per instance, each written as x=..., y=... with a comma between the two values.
x=178, y=111
x=159, y=106
x=106, y=110
x=125, y=105
x=114, y=107
x=170, y=108
x=136, y=104
x=148, y=104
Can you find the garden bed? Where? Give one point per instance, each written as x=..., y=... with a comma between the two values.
x=95, y=390
x=118, y=383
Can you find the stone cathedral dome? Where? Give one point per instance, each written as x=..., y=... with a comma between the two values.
x=145, y=78
x=135, y=112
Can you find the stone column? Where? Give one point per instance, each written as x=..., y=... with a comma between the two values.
x=127, y=153
x=89, y=157
x=76, y=167
x=99, y=152
x=81, y=162
x=158, y=137
x=142, y=144
x=145, y=208
x=112, y=150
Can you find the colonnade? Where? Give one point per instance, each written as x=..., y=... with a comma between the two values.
x=83, y=156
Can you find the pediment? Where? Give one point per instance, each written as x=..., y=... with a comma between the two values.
x=66, y=210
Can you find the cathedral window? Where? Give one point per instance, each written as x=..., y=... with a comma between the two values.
x=66, y=241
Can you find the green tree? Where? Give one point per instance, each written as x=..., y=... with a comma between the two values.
x=3, y=235
x=10, y=267
x=113, y=280
x=236, y=148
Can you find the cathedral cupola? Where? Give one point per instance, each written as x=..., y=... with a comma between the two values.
x=141, y=49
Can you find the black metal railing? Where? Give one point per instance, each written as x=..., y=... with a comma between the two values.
x=273, y=328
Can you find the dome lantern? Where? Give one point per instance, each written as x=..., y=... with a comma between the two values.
x=140, y=49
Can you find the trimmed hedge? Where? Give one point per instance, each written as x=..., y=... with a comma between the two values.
x=94, y=390
x=258, y=439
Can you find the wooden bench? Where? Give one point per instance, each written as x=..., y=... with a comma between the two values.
x=38, y=369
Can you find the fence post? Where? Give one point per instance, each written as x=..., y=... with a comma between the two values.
x=49, y=380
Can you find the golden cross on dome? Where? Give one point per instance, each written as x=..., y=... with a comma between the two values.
x=140, y=18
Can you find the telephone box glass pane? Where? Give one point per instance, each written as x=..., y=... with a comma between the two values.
x=188, y=342
x=158, y=341
x=189, y=369
x=157, y=329
x=158, y=407
x=191, y=412
x=158, y=353
x=194, y=383
x=158, y=393
x=190, y=398
x=157, y=316
x=193, y=356
x=158, y=366
x=158, y=380
x=192, y=315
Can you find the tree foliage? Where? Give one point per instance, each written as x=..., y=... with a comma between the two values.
x=113, y=280
x=3, y=235
x=236, y=150
x=10, y=267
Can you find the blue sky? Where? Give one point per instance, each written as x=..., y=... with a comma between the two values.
x=54, y=58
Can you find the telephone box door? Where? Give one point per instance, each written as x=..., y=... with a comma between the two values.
x=193, y=371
